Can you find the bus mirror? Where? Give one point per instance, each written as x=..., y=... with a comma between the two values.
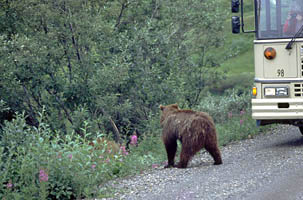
x=235, y=6
x=235, y=23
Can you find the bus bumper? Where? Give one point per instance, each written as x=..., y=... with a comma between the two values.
x=268, y=111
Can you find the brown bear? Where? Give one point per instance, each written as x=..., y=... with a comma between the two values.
x=195, y=130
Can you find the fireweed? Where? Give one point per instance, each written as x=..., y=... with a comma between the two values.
x=43, y=176
x=36, y=163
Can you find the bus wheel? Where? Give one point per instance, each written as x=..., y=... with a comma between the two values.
x=301, y=129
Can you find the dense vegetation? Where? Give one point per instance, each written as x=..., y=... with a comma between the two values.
x=74, y=71
x=90, y=60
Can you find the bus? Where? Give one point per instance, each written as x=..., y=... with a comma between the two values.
x=277, y=94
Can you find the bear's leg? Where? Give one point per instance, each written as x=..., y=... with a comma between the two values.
x=183, y=160
x=171, y=148
x=214, y=151
x=185, y=156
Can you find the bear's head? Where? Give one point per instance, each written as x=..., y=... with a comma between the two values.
x=167, y=110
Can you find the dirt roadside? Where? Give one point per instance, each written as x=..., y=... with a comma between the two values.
x=266, y=167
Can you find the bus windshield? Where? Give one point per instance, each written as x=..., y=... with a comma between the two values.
x=278, y=18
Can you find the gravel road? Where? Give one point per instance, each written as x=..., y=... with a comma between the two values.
x=267, y=167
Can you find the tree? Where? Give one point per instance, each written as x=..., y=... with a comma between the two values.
x=91, y=60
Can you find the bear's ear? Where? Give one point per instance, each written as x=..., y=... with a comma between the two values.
x=161, y=107
x=175, y=106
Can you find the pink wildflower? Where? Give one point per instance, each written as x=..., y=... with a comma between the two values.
x=155, y=166
x=43, y=176
x=242, y=112
x=134, y=140
x=94, y=166
x=241, y=121
x=124, y=152
x=70, y=156
x=9, y=185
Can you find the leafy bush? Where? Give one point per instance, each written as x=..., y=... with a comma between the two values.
x=221, y=107
x=36, y=163
x=240, y=83
x=91, y=61
x=238, y=126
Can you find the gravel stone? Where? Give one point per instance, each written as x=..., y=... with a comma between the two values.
x=263, y=167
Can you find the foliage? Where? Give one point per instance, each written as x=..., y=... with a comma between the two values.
x=238, y=126
x=86, y=62
x=4, y=109
x=239, y=82
x=221, y=108
x=36, y=162
x=3, y=106
x=91, y=60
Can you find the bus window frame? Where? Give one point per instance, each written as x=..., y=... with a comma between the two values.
x=279, y=29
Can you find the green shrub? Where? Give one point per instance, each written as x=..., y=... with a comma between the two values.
x=36, y=163
x=240, y=83
x=221, y=107
x=237, y=127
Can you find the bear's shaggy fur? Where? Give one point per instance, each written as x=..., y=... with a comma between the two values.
x=195, y=130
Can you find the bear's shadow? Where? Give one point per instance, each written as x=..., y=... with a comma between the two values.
x=193, y=164
x=200, y=164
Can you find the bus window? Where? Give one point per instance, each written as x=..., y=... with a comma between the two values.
x=294, y=19
x=279, y=18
